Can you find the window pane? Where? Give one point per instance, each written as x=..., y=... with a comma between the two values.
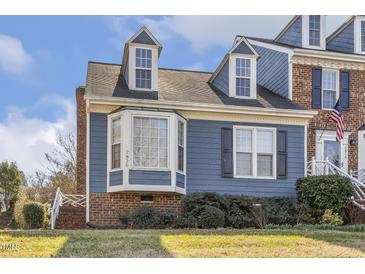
x=243, y=67
x=264, y=141
x=143, y=58
x=264, y=165
x=143, y=78
x=150, y=145
x=116, y=156
x=116, y=131
x=329, y=80
x=329, y=98
x=242, y=87
x=362, y=35
x=314, y=30
x=244, y=164
x=244, y=140
x=180, y=164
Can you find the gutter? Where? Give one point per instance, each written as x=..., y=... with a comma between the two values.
x=306, y=114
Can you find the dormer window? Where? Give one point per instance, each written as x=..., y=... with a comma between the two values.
x=143, y=68
x=315, y=30
x=243, y=77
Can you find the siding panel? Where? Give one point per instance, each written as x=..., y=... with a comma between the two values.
x=204, y=162
x=222, y=79
x=344, y=41
x=180, y=180
x=143, y=177
x=293, y=35
x=116, y=178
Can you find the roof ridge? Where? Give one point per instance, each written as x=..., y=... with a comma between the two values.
x=103, y=63
x=186, y=70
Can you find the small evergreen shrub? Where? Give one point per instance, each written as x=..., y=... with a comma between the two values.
x=280, y=210
x=239, y=212
x=35, y=215
x=318, y=193
x=210, y=217
x=167, y=219
x=259, y=215
x=146, y=217
x=331, y=218
x=125, y=218
x=196, y=200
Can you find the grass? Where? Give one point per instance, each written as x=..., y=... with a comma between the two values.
x=182, y=243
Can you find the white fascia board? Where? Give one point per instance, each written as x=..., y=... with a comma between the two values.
x=329, y=55
x=283, y=49
x=307, y=114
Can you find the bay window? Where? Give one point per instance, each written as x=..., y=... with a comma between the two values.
x=329, y=88
x=150, y=142
x=143, y=68
x=254, y=152
x=115, y=143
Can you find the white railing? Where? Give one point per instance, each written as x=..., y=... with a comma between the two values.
x=61, y=199
x=56, y=207
x=317, y=167
x=358, y=174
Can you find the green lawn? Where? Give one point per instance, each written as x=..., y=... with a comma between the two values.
x=182, y=243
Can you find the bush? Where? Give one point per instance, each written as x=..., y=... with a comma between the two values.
x=318, y=193
x=280, y=210
x=167, y=219
x=125, y=218
x=18, y=211
x=331, y=218
x=146, y=217
x=210, y=217
x=35, y=215
x=239, y=212
x=196, y=200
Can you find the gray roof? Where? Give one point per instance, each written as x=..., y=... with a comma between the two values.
x=105, y=80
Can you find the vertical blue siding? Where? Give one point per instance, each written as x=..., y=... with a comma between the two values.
x=204, y=162
x=98, y=152
x=222, y=79
x=116, y=178
x=293, y=35
x=273, y=70
x=126, y=73
x=144, y=38
x=243, y=48
x=180, y=180
x=344, y=41
x=143, y=177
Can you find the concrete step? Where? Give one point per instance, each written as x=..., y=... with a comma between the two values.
x=71, y=217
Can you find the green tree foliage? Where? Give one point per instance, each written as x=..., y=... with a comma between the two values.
x=10, y=183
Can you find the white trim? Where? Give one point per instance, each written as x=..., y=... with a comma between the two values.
x=357, y=34
x=254, y=152
x=337, y=86
x=183, y=121
x=268, y=45
x=305, y=32
x=329, y=55
x=87, y=161
x=305, y=149
x=144, y=28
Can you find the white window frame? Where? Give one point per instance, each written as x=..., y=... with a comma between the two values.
x=151, y=116
x=233, y=76
x=110, y=143
x=254, y=152
x=357, y=34
x=183, y=121
x=337, y=86
x=143, y=68
x=305, y=33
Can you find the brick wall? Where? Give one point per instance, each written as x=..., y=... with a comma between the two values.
x=81, y=141
x=353, y=118
x=104, y=207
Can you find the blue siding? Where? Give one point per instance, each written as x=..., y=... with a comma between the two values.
x=344, y=41
x=243, y=48
x=144, y=38
x=293, y=35
x=204, y=162
x=116, y=178
x=180, y=180
x=126, y=73
x=273, y=70
x=143, y=177
x=98, y=152
x=222, y=79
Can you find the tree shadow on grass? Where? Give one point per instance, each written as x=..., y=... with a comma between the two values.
x=153, y=243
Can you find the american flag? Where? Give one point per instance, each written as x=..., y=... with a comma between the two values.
x=336, y=116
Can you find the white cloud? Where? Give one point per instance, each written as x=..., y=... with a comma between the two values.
x=13, y=57
x=24, y=139
x=196, y=66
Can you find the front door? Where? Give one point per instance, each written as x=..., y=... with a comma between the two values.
x=332, y=151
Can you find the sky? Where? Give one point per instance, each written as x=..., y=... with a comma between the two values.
x=44, y=58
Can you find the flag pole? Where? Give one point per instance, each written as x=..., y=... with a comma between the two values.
x=325, y=127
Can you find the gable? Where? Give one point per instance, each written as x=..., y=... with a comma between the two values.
x=222, y=79
x=293, y=35
x=242, y=48
x=343, y=41
x=143, y=38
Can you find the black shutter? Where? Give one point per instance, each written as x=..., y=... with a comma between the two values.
x=227, y=152
x=345, y=89
x=316, y=87
x=282, y=155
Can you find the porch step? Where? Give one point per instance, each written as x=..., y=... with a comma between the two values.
x=71, y=217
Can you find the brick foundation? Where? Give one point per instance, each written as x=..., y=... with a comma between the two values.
x=104, y=207
x=81, y=141
x=71, y=217
x=353, y=118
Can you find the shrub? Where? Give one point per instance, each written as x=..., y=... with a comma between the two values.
x=18, y=211
x=146, y=217
x=259, y=216
x=318, y=193
x=167, y=219
x=280, y=210
x=210, y=217
x=331, y=218
x=239, y=212
x=125, y=218
x=196, y=200
x=35, y=215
